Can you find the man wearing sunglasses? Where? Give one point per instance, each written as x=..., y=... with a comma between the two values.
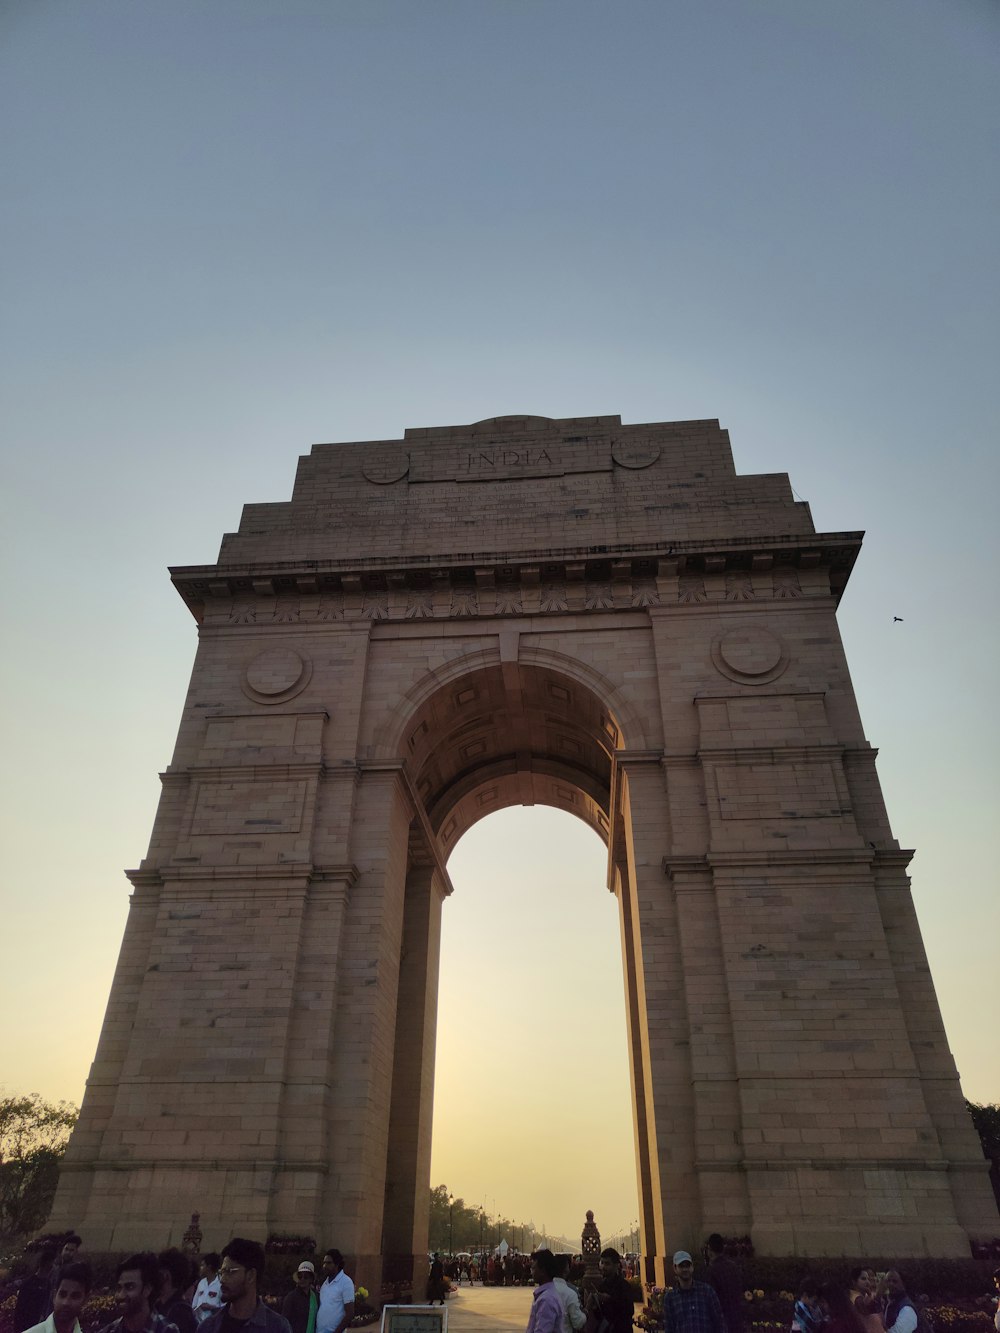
x=240, y=1275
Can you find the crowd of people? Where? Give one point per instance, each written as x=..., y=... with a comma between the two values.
x=163, y=1294
x=558, y=1307
x=510, y=1269
x=864, y=1302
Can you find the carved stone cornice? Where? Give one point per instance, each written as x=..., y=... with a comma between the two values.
x=340, y=874
x=769, y=754
x=242, y=772
x=892, y=858
x=828, y=1164
x=260, y=1164
x=777, y=859
x=277, y=878
x=616, y=576
x=145, y=879
x=681, y=864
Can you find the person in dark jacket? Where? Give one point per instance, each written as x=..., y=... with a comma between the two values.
x=69, y=1254
x=301, y=1304
x=437, y=1283
x=241, y=1274
x=175, y=1278
x=33, y=1295
x=611, y=1301
x=726, y=1281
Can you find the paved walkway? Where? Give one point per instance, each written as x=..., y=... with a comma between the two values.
x=488, y=1309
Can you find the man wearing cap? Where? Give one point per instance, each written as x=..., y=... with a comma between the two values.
x=691, y=1307
x=301, y=1304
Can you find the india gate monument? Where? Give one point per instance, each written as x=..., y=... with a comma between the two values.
x=600, y=617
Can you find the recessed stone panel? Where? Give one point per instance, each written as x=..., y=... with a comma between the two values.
x=225, y=808
x=806, y=790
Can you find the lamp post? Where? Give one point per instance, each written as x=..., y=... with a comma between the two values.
x=451, y=1224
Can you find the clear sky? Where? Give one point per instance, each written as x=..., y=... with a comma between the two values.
x=231, y=230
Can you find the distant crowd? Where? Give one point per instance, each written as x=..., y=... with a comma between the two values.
x=499, y=1269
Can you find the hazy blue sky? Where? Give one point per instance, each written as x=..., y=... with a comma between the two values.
x=233, y=229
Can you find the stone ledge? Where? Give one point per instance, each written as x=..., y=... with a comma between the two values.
x=562, y=580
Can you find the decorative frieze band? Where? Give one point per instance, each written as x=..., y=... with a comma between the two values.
x=542, y=588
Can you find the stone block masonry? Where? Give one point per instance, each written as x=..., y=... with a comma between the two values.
x=601, y=617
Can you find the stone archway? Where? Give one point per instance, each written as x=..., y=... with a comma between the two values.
x=606, y=618
x=479, y=740
x=512, y=733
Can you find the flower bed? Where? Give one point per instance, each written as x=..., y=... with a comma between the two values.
x=770, y=1311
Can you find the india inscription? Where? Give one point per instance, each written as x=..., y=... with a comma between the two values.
x=504, y=458
x=389, y=656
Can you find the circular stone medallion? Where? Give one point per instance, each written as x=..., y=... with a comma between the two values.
x=275, y=675
x=752, y=656
x=634, y=455
x=384, y=466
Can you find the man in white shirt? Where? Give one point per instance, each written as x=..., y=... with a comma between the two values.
x=336, y=1296
x=899, y=1314
x=70, y=1298
x=208, y=1293
x=569, y=1298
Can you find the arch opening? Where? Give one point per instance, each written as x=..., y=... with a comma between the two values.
x=501, y=735
x=532, y=1084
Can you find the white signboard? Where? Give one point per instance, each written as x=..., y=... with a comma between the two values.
x=414, y=1319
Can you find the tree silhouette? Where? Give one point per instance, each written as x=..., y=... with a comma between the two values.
x=33, y=1138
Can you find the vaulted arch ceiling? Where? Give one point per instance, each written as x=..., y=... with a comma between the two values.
x=511, y=734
